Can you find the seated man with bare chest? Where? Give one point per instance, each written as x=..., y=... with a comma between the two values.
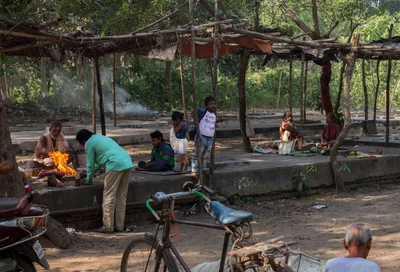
x=52, y=141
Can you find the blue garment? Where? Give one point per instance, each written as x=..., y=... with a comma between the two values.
x=205, y=145
x=102, y=151
x=182, y=133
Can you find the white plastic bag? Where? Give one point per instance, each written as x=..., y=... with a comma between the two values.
x=285, y=147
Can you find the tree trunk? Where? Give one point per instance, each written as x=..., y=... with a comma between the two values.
x=43, y=77
x=389, y=72
x=350, y=59
x=244, y=61
x=279, y=90
x=388, y=100
x=256, y=15
x=315, y=18
x=365, y=91
x=378, y=82
x=11, y=184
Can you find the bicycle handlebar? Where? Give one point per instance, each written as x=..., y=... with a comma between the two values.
x=160, y=197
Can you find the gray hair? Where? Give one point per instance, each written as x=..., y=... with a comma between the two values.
x=55, y=124
x=357, y=234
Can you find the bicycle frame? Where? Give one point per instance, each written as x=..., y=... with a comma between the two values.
x=166, y=244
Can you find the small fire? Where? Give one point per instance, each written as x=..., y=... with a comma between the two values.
x=60, y=160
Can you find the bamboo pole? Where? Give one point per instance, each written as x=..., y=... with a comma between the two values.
x=215, y=86
x=378, y=82
x=113, y=93
x=305, y=90
x=182, y=83
x=303, y=60
x=94, y=96
x=195, y=106
x=290, y=83
x=100, y=93
x=389, y=72
x=365, y=89
x=279, y=90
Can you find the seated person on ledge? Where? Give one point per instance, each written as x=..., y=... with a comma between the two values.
x=162, y=155
x=331, y=131
x=289, y=132
x=52, y=141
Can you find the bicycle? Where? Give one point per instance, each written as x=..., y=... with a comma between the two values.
x=148, y=253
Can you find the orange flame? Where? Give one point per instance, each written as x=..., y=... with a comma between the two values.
x=60, y=160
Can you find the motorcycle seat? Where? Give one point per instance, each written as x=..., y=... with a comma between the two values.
x=8, y=203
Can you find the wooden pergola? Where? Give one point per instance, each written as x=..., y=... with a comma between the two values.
x=29, y=40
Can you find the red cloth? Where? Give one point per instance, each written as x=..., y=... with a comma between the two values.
x=227, y=46
x=331, y=131
x=325, y=96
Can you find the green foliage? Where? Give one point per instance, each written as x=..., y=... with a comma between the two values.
x=301, y=179
x=344, y=168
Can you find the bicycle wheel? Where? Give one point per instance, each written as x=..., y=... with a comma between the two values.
x=136, y=257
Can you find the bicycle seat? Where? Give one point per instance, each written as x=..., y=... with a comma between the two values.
x=228, y=216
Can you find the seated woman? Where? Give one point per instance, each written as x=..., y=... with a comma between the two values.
x=331, y=131
x=289, y=132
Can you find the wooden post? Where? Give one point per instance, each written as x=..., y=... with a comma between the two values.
x=100, y=93
x=290, y=84
x=279, y=90
x=302, y=89
x=305, y=90
x=113, y=93
x=182, y=83
x=389, y=72
x=195, y=106
x=93, y=96
x=366, y=105
x=215, y=86
x=378, y=82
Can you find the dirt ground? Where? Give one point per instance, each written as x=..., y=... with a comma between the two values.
x=320, y=231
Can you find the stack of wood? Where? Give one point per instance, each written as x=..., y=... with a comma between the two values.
x=274, y=253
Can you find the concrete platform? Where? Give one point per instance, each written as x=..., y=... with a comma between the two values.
x=134, y=132
x=242, y=174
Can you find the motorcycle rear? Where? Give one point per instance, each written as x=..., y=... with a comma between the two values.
x=21, y=223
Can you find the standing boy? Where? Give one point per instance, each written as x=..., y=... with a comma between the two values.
x=207, y=131
x=102, y=151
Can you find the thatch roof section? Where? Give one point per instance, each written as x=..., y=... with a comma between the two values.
x=28, y=40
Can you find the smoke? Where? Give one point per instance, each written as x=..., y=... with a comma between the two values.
x=71, y=92
x=123, y=106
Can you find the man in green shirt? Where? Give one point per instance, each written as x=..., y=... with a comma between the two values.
x=162, y=155
x=102, y=151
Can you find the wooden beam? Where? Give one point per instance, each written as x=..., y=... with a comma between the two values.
x=94, y=127
x=100, y=94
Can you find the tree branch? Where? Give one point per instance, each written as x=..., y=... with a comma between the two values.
x=299, y=23
x=315, y=18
